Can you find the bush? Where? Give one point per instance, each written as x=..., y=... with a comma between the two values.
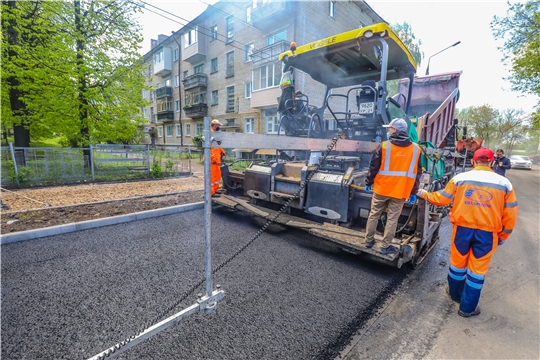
x=22, y=171
x=155, y=170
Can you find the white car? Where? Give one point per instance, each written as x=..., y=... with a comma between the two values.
x=520, y=162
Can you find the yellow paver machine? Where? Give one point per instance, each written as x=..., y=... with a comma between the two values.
x=316, y=180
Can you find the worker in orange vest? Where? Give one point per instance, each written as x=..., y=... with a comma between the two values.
x=217, y=155
x=393, y=178
x=484, y=214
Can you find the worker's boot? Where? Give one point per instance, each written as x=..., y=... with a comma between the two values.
x=474, y=313
x=369, y=244
x=390, y=250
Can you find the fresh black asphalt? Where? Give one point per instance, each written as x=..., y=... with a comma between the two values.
x=288, y=295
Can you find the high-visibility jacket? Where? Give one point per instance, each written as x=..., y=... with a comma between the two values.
x=482, y=200
x=398, y=170
x=215, y=170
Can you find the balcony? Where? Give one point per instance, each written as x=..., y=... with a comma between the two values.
x=269, y=53
x=195, y=80
x=163, y=62
x=196, y=110
x=265, y=16
x=167, y=115
x=164, y=91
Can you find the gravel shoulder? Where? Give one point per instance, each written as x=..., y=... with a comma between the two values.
x=50, y=206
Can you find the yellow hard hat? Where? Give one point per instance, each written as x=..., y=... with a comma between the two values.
x=216, y=122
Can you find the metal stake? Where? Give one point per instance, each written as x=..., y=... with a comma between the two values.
x=207, y=144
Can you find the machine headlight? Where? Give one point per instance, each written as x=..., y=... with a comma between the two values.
x=368, y=34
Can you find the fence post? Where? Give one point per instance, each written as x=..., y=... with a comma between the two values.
x=92, y=161
x=148, y=158
x=189, y=157
x=14, y=163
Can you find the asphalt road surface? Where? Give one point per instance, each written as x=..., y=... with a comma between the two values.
x=421, y=321
x=288, y=295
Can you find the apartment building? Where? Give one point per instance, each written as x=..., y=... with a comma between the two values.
x=224, y=64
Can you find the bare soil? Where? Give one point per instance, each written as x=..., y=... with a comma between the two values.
x=50, y=206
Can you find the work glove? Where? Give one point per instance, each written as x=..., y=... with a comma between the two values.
x=501, y=242
x=369, y=189
x=422, y=193
x=411, y=200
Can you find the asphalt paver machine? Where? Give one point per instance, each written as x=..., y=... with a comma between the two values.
x=322, y=191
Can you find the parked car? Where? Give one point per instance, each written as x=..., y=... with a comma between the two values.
x=535, y=158
x=520, y=162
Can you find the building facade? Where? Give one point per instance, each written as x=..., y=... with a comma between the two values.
x=224, y=64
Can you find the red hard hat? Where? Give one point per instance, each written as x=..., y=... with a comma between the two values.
x=484, y=154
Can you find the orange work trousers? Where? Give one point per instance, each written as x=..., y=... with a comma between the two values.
x=470, y=254
x=215, y=178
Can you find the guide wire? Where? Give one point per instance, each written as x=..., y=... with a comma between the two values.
x=194, y=287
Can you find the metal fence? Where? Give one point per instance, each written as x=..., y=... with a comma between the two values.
x=96, y=163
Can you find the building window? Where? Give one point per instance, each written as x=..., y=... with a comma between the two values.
x=276, y=37
x=213, y=65
x=190, y=37
x=229, y=28
x=144, y=94
x=247, y=90
x=146, y=132
x=167, y=82
x=214, y=98
x=198, y=69
x=160, y=131
x=176, y=80
x=177, y=127
x=230, y=64
x=248, y=51
x=151, y=95
x=213, y=33
x=266, y=77
x=199, y=128
x=158, y=57
x=248, y=125
x=168, y=131
x=175, y=55
x=185, y=74
x=230, y=99
x=177, y=105
x=188, y=129
x=272, y=123
x=194, y=96
x=151, y=112
x=332, y=9
x=144, y=112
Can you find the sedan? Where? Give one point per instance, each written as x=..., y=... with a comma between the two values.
x=520, y=162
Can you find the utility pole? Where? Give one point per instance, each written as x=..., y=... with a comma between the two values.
x=179, y=86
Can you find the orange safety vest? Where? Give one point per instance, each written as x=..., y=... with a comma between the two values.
x=397, y=174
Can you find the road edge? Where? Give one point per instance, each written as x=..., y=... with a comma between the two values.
x=90, y=224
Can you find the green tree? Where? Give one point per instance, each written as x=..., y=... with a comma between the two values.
x=520, y=30
x=406, y=34
x=81, y=74
x=480, y=121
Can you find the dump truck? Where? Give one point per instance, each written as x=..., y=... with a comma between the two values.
x=322, y=151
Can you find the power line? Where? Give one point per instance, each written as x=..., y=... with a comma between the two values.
x=197, y=27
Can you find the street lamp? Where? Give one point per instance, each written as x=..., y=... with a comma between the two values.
x=427, y=70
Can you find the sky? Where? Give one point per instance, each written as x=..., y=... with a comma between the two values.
x=438, y=24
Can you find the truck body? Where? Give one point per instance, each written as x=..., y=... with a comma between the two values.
x=322, y=191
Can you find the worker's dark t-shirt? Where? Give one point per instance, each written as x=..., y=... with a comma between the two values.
x=501, y=170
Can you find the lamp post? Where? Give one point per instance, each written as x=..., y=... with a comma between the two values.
x=427, y=69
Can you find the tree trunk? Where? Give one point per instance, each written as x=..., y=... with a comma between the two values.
x=83, y=102
x=18, y=108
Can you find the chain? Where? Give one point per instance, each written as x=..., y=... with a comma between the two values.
x=146, y=325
